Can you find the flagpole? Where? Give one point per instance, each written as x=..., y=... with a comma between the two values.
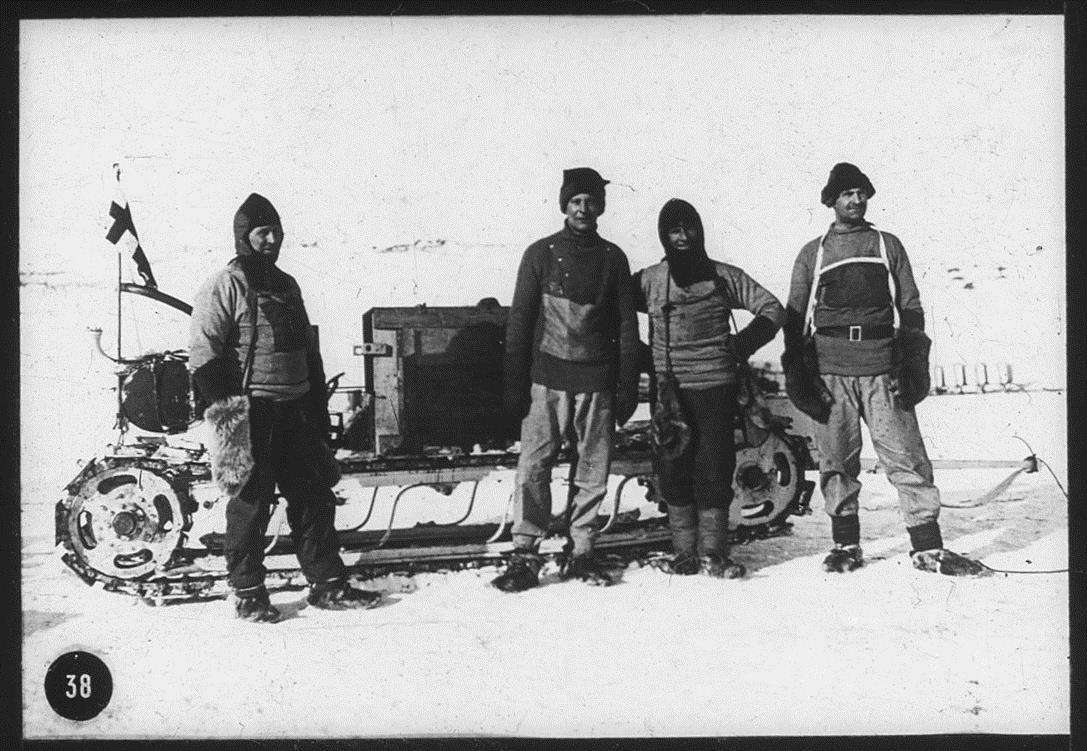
x=120, y=424
x=117, y=173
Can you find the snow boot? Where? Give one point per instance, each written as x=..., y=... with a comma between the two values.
x=683, y=521
x=590, y=569
x=713, y=557
x=522, y=572
x=943, y=561
x=252, y=604
x=843, y=558
x=337, y=594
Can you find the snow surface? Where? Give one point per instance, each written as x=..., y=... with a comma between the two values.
x=412, y=160
x=899, y=651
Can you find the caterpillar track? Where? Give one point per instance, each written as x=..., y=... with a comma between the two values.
x=130, y=521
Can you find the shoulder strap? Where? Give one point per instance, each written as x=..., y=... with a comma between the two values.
x=809, y=316
x=890, y=278
x=251, y=301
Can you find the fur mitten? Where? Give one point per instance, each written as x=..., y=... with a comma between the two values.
x=230, y=446
x=911, y=375
x=805, y=388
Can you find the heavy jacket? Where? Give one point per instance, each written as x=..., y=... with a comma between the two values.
x=286, y=361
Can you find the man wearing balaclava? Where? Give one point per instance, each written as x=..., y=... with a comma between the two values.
x=571, y=368
x=855, y=349
x=689, y=299
x=257, y=371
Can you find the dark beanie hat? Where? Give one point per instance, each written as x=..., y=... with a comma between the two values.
x=844, y=176
x=581, y=180
x=255, y=211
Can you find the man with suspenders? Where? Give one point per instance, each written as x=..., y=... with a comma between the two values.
x=853, y=292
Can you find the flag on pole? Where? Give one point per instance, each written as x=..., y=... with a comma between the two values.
x=122, y=228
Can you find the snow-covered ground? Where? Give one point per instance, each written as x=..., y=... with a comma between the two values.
x=790, y=649
x=412, y=160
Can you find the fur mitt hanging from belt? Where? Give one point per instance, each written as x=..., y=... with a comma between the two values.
x=910, y=374
x=218, y=384
x=805, y=388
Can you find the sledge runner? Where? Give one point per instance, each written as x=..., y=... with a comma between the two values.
x=257, y=369
x=570, y=370
x=689, y=299
x=846, y=360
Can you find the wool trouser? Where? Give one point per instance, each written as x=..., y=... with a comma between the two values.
x=896, y=438
x=282, y=440
x=702, y=474
x=553, y=415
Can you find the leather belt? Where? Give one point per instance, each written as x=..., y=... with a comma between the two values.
x=857, y=333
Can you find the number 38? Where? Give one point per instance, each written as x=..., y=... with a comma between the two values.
x=82, y=689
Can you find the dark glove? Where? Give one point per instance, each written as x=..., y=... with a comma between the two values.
x=805, y=388
x=748, y=341
x=910, y=379
x=516, y=400
x=626, y=402
x=215, y=380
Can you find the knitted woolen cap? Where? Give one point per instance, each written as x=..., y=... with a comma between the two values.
x=255, y=211
x=581, y=180
x=844, y=176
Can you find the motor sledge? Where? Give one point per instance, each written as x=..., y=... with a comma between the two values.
x=144, y=518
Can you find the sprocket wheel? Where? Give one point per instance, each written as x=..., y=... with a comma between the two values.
x=125, y=522
x=766, y=483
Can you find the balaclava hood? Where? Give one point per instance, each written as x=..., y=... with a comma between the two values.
x=581, y=180
x=260, y=271
x=844, y=176
x=689, y=266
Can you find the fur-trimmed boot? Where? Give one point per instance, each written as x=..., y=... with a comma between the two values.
x=252, y=604
x=683, y=521
x=338, y=594
x=522, y=571
x=847, y=554
x=943, y=561
x=713, y=545
x=230, y=446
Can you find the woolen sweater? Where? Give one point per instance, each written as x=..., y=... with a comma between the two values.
x=575, y=287
x=854, y=294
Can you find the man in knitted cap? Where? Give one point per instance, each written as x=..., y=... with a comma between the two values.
x=571, y=370
x=257, y=370
x=868, y=359
x=689, y=299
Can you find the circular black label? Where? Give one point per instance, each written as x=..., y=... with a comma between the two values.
x=78, y=685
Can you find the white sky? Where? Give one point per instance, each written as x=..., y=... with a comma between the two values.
x=449, y=135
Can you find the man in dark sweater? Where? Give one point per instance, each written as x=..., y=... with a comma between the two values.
x=571, y=370
x=849, y=287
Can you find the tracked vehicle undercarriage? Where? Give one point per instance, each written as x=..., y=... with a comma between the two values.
x=145, y=518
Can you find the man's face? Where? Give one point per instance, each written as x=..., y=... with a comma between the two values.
x=850, y=206
x=266, y=240
x=683, y=237
x=582, y=212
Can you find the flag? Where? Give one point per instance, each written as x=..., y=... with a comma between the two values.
x=123, y=228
